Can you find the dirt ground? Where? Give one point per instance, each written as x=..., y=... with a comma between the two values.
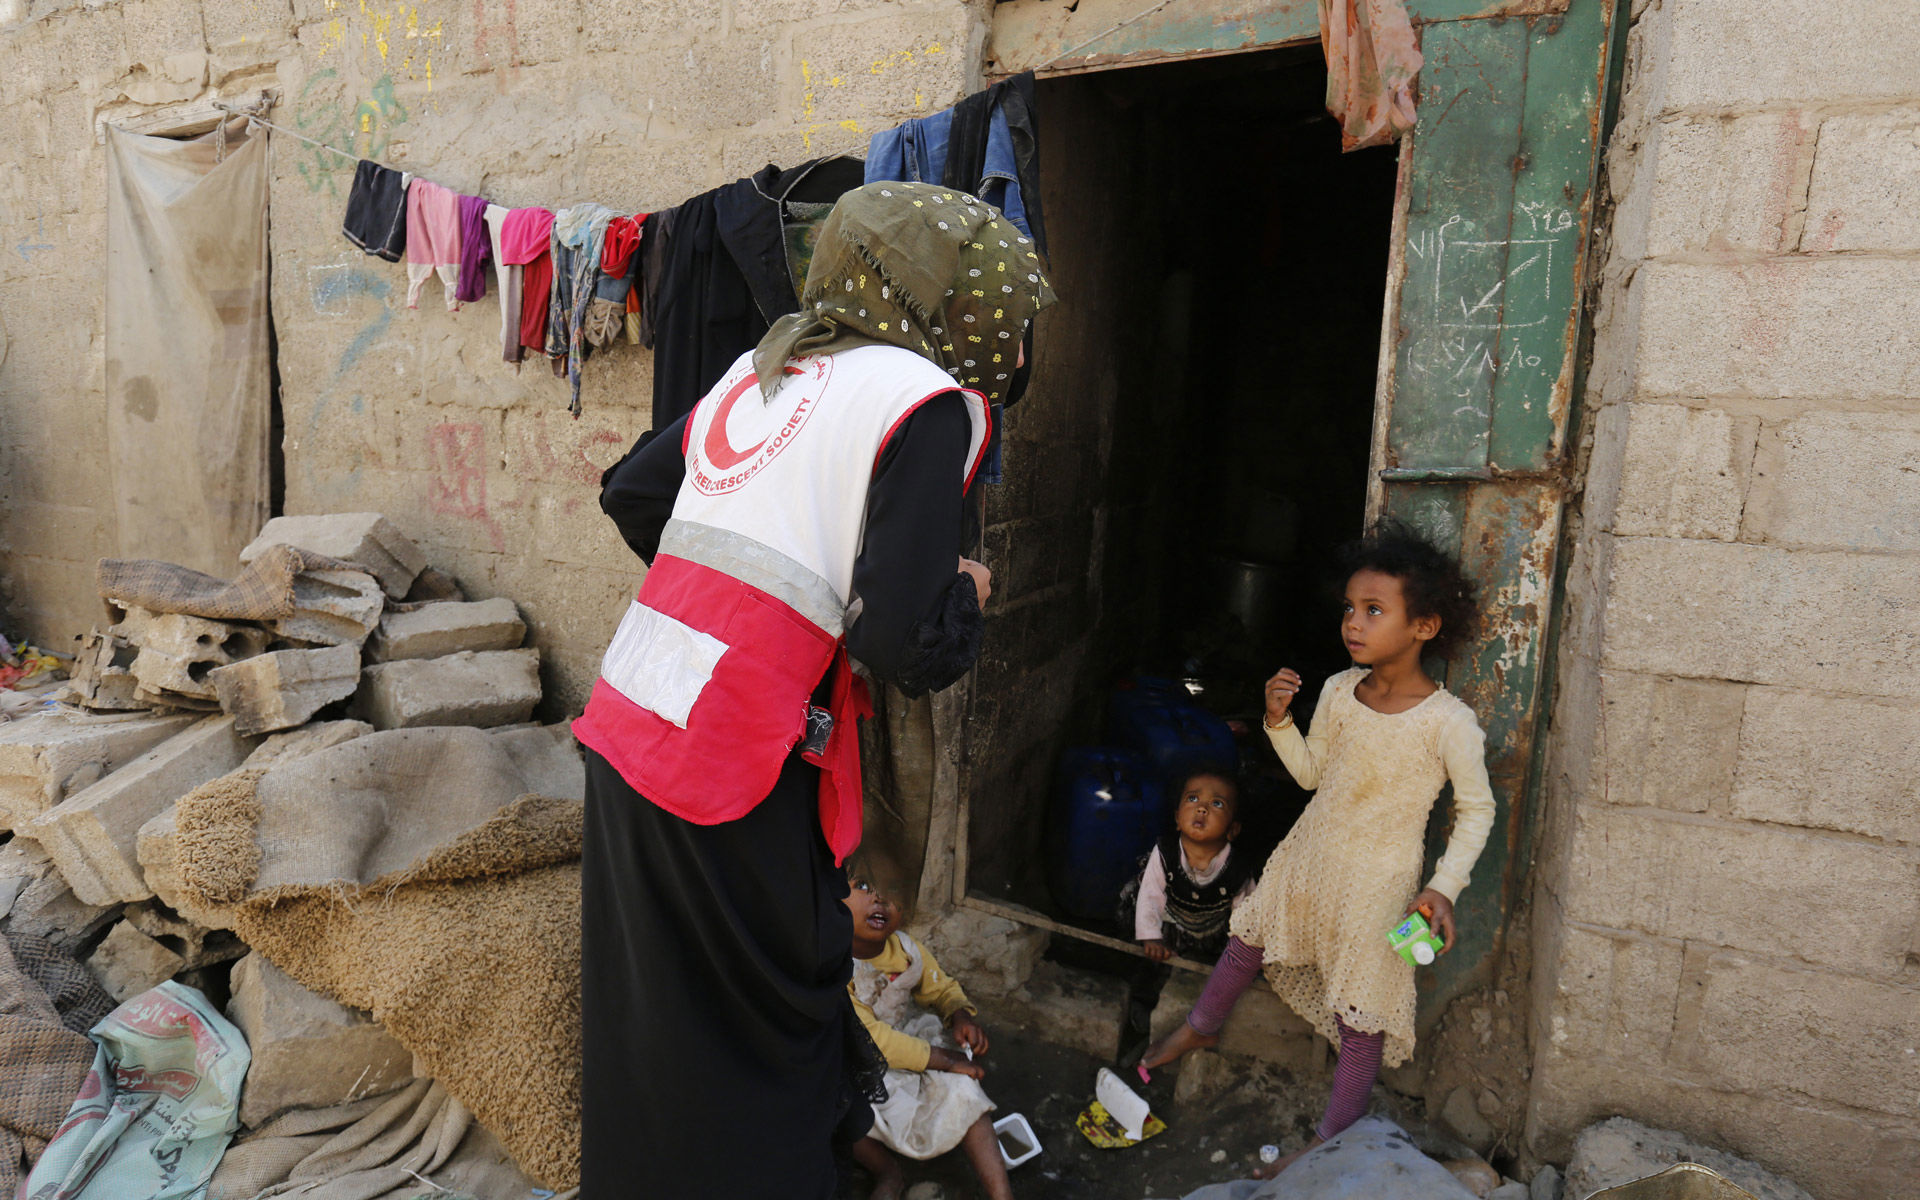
x=1207, y=1141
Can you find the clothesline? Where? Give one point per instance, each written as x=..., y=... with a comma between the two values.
x=254, y=118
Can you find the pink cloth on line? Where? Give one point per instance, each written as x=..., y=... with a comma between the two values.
x=525, y=235
x=433, y=240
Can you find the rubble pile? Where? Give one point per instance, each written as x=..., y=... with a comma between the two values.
x=335, y=629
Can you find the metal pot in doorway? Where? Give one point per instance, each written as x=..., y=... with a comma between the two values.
x=1255, y=595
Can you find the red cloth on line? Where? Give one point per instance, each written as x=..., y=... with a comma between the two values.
x=623, y=238
x=536, y=286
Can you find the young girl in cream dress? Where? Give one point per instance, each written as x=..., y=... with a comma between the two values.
x=1385, y=737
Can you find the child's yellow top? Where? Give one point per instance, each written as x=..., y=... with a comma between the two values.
x=938, y=992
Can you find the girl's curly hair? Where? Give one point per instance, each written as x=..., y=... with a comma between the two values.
x=1432, y=580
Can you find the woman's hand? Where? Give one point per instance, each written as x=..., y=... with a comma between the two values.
x=1442, y=919
x=946, y=1060
x=982, y=578
x=968, y=1032
x=1280, y=691
x=1157, y=950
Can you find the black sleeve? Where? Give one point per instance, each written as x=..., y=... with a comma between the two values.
x=919, y=625
x=638, y=491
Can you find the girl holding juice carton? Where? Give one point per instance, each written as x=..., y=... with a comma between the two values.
x=1324, y=919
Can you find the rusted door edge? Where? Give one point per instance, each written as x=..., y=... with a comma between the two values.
x=1052, y=38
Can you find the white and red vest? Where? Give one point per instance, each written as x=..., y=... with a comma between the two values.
x=704, y=690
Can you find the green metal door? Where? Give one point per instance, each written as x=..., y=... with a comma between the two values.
x=1485, y=321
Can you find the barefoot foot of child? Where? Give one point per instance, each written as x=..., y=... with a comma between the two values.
x=889, y=1181
x=1269, y=1170
x=1183, y=1040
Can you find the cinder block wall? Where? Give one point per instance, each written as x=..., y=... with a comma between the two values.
x=636, y=104
x=1728, y=917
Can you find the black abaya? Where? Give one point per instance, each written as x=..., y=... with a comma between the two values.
x=715, y=958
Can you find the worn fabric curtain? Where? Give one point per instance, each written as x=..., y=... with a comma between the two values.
x=1372, y=58
x=188, y=375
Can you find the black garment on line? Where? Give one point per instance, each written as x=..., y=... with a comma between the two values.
x=714, y=959
x=723, y=277
x=376, y=219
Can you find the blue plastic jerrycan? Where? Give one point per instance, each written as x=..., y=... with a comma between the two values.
x=1105, y=815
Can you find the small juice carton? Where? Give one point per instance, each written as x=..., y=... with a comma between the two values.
x=1414, y=940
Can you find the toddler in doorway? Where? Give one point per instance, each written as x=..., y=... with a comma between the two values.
x=1385, y=737
x=934, y=1098
x=1191, y=880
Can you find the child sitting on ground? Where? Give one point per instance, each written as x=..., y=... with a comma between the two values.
x=934, y=1098
x=1191, y=880
x=1385, y=738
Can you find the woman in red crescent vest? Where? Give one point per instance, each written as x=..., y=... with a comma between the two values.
x=808, y=512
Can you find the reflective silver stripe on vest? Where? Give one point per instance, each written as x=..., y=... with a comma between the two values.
x=758, y=565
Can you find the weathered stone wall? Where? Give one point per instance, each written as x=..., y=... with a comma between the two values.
x=1728, y=916
x=636, y=104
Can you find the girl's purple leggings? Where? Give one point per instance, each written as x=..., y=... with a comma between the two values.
x=1353, y=1075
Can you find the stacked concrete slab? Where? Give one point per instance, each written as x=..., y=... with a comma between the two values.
x=162, y=702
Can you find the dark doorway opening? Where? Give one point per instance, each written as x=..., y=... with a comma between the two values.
x=1196, y=442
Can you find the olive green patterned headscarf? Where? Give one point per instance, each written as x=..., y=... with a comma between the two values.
x=926, y=268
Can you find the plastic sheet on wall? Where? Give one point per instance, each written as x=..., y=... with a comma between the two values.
x=188, y=374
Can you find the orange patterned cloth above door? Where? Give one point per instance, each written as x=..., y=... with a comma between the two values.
x=1372, y=58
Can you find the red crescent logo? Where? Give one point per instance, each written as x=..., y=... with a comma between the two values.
x=719, y=450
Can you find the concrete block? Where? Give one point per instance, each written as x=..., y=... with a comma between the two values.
x=368, y=539
x=39, y=902
x=1685, y=878
x=1661, y=470
x=178, y=652
x=1822, y=621
x=129, y=962
x=1670, y=742
x=197, y=945
x=713, y=83
x=878, y=71
x=498, y=687
x=616, y=25
x=1863, y=185
x=285, y=688
x=1780, y=52
x=1834, y=1150
x=448, y=628
x=1843, y=480
x=1620, y=1151
x=332, y=608
x=1612, y=996
x=48, y=755
x=1791, y=326
x=101, y=673
x=308, y=1051
x=1724, y=183
x=1264, y=1027
x=92, y=835
x=298, y=743
x=994, y=955
x=1766, y=1029
x=1873, y=788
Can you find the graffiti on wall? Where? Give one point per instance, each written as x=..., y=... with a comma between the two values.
x=363, y=127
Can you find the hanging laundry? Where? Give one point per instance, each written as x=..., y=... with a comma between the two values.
x=1372, y=58
x=433, y=240
x=607, y=314
x=507, y=277
x=525, y=241
x=475, y=250
x=578, y=234
x=988, y=144
x=656, y=236
x=723, y=276
x=376, y=219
